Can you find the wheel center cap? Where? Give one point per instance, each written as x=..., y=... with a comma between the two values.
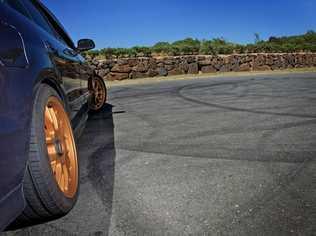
x=59, y=147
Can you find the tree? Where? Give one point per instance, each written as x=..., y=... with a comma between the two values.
x=257, y=38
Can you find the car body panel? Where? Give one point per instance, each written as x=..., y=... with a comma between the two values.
x=39, y=58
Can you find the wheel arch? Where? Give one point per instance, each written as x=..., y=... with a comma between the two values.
x=51, y=79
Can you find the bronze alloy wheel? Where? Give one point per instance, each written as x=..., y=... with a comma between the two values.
x=61, y=147
x=98, y=94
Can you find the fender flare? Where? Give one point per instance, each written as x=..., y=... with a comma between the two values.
x=50, y=78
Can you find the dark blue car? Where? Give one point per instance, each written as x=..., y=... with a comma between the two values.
x=46, y=92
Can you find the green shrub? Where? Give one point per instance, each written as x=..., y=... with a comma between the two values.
x=190, y=46
x=161, y=48
x=187, y=46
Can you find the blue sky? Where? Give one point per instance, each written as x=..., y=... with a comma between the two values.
x=127, y=23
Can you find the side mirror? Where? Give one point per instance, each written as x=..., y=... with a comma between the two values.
x=85, y=45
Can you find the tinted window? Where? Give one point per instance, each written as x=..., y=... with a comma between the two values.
x=38, y=18
x=17, y=5
x=55, y=24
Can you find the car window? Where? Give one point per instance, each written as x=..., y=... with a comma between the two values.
x=37, y=16
x=18, y=6
x=57, y=26
x=53, y=23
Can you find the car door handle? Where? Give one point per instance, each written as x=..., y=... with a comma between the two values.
x=70, y=52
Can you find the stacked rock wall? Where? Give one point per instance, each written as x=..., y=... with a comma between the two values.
x=131, y=68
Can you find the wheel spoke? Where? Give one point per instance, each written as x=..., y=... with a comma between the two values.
x=67, y=161
x=49, y=127
x=49, y=115
x=49, y=138
x=58, y=172
x=100, y=96
x=62, y=181
x=53, y=118
x=66, y=176
x=51, y=150
x=53, y=165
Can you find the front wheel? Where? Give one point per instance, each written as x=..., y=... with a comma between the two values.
x=51, y=179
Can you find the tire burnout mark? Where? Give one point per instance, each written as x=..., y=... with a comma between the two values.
x=256, y=204
x=282, y=182
x=155, y=124
x=229, y=108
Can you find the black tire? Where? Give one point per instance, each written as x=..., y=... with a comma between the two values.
x=44, y=199
x=93, y=105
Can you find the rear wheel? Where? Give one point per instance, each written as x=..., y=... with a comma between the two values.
x=51, y=179
x=98, y=93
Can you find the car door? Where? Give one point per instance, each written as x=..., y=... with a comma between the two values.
x=63, y=54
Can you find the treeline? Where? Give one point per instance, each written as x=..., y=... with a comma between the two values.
x=189, y=46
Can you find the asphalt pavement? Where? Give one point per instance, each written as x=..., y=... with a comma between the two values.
x=219, y=156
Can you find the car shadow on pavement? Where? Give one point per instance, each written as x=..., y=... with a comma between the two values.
x=93, y=211
x=97, y=147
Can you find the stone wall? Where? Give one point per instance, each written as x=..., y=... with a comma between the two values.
x=131, y=68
